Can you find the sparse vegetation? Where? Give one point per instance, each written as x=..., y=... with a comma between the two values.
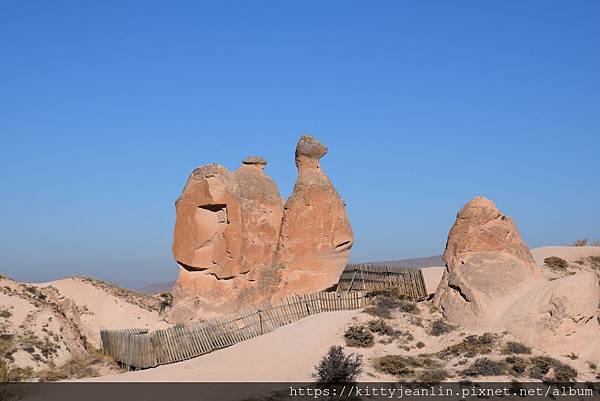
x=166, y=301
x=388, y=301
x=555, y=263
x=358, y=336
x=403, y=366
x=432, y=376
x=76, y=368
x=513, y=347
x=470, y=346
x=516, y=365
x=486, y=367
x=337, y=367
x=439, y=327
x=564, y=373
x=580, y=242
x=379, y=326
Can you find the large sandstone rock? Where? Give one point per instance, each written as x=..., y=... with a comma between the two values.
x=316, y=236
x=486, y=260
x=235, y=247
x=492, y=283
x=226, y=232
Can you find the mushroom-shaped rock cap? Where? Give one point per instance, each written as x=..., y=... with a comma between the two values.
x=254, y=160
x=310, y=147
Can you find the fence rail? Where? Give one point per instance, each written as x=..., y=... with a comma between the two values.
x=139, y=348
x=368, y=277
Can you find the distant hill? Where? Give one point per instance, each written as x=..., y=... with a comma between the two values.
x=414, y=263
x=156, y=288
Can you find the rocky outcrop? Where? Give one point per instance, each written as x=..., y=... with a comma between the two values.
x=316, y=236
x=492, y=283
x=236, y=246
x=485, y=259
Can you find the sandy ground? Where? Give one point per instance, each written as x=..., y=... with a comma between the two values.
x=288, y=353
x=568, y=253
x=100, y=310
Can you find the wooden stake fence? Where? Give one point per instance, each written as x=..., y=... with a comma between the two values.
x=367, y=277
x=139, y=348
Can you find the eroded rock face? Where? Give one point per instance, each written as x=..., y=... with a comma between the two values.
x=316, y=236
x=236, y=247
x=485, y=259
x=492, y=283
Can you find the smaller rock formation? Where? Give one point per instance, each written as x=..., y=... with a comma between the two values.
x=486, y=260
x=492, y=283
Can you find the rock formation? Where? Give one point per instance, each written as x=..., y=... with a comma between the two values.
x=316, y=236
x=236, y=245
x=492, y=283
x=486, y=259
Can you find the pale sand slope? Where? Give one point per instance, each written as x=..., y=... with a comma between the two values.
x=569, y=253
x=288, y=353
x=99, y=309
x=56, y=321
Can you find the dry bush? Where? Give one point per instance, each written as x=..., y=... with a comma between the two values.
x=564, y=373
x=358, y=336
x=580, y=242
x=336, y=367
x=379, y=326
x=439, y=327
x=470, y=346
x=486, y=367
x=403, y=366
x=517, y=365
x=513, y=347
x=555, y=263
x=432, y=376
x=595, y=262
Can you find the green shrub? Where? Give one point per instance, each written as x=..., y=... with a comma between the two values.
x=513, y=347
x=439, y=327
x=337, y=367
x=556, y=263
x=358, y=336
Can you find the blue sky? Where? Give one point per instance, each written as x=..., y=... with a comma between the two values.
x=106, y=107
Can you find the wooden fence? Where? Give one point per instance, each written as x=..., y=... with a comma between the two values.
x=367, y=277
x=139, y=348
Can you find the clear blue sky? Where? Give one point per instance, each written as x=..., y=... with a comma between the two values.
x=106, y=107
